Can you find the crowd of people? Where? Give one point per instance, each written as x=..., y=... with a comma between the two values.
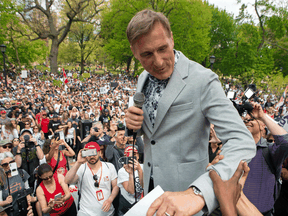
x=55, y=138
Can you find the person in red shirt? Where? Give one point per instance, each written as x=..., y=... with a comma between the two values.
x=51, y=185
x=44, y=122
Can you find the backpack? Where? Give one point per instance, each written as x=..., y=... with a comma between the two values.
x=276, y=172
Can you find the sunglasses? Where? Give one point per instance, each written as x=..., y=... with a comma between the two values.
x=7, y=146
x=270, y=140
x=248, y=120
x=6, y=164
x=47, y=178
x=96, y=184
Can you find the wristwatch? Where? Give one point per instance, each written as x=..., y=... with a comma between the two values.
x=197, y=192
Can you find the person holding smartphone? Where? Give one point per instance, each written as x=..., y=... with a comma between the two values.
x=12, y=183
x=126, y=181
x=48, y=193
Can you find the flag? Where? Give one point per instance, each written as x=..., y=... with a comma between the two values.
x=64, y=75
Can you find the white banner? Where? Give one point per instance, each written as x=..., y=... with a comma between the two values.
x=23, y=73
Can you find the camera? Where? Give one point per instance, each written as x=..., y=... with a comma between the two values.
x=22, y=201
x=120, y=126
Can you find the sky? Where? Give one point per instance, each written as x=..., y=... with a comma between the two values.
x=231, y=6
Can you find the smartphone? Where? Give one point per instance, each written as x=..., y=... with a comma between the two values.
x=89, y=152
x=13, y=169
x=128, y=159
x=58, y=196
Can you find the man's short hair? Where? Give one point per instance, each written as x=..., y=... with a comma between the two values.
x=143, y=22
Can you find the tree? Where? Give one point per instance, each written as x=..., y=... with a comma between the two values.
x=45, y=21
x=85, y=36
x=19, y=51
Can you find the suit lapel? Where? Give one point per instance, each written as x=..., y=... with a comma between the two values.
x=140, y=86
x=172, y=90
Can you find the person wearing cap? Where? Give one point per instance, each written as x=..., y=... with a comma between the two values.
x=6, y=146
x=54, y=124
x=17, y=184
x=105, y=117
x=97, y=182
x=126, y=181
x=30, y=152
x=3, y=118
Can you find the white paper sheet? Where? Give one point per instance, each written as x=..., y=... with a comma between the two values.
x=141, y=208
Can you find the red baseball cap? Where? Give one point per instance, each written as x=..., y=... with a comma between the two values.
x=3, y=111
x=129, y=148
x=92, y=145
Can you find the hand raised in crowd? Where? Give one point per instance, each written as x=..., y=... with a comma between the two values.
x=216, y=159
x=134, y=118
x=80, y=159
x=20, y=146
x=228, y=192
x=33, y=140
x=257, y=112
x=129, y=167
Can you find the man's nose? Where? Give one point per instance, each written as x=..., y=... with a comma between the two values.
x=158, y=61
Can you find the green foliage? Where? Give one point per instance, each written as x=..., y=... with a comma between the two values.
x=190, y=26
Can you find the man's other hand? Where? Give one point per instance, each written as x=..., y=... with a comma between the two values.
x=228, y=192
x=134, y=118
x=184, y=203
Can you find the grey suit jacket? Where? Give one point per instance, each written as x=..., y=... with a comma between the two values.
x=177, y=146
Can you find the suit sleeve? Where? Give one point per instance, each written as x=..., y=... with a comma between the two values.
x=238, y=143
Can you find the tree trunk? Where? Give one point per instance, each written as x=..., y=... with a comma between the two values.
x=128, y=63
x=53, y=55
x=16, y=50
x=82, y=62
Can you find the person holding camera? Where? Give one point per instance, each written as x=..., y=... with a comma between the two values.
x=265, y=167
x=53, y=193
x=55, y=157
x=126, y=181
x=97, y=182
x=30, y=152
x=13, y=183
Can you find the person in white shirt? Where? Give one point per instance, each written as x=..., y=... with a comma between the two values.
x=126, y=181
x=97, y=182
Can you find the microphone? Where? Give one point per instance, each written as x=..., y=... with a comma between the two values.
x=138, y=101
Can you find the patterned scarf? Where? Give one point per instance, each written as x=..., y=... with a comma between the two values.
x=153, y=91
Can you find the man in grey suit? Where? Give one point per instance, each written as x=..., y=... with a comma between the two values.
x=182, y=99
